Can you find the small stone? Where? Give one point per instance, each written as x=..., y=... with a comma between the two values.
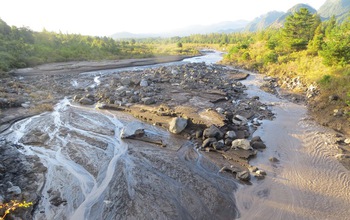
x=253, y=169
x=243, y=175
x=231, y=135
x=228, y=142
x=242, y=119
x=261, y=172
x=333, y=98
x=207, y=142
x=258, y=145
x=15, y=190
x=220, y=110
x=256, y=138
x=337, y=112
x=148, y=101
x=199, y=134
x=143, y=83
x=347, y=141
x=342, y=156
x=273, y=159
x=218, y=145
x=259, y=176
x=86, y=101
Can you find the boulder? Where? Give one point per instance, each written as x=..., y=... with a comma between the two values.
x=177, y=125
x=213, y=131
x=86, y=101
x=131, y=129
x=241, y=144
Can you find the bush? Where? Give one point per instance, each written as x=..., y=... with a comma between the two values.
x=246, y=56
x=325, y=79
x=271, y=57
x=7, y=208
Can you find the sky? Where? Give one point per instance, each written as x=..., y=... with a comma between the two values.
x=106, y=17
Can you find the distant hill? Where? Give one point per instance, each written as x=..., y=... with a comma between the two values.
x=128, y=35
x=273, y=19
x=339, y=8
x=264, y=21
x=280, y=21
x=222, y=27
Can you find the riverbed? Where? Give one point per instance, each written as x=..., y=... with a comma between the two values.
x=93, y=174
x=307, y=182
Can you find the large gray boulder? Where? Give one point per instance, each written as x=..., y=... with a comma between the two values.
x=177, y=125
x=241, y=144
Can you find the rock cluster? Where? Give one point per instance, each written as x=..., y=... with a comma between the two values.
x=204, y=103
x=21, y=177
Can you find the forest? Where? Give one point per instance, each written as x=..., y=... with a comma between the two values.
x=315, y=50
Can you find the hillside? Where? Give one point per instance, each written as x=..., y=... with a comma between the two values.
x=221, y=27
x=264, y=21
x=339, y=8
x=280, y=21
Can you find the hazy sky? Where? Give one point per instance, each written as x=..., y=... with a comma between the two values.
x=105, y=17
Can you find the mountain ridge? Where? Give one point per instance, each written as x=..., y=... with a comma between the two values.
x=273, y=19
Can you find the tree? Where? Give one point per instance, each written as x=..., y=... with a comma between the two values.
x=336, y=49
x=299, y=29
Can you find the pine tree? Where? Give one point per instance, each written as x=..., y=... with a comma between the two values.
x=299, y=29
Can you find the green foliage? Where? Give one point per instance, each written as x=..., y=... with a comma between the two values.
x=246, y=56
x=325, y=79
x=271, y=57
x=21, y=47
x=336, y=49
x=299, y=29
x=271, y=44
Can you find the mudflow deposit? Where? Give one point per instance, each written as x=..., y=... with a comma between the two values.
x=182, y=140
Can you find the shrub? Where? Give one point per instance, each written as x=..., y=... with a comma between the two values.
x=246, y=56
x=325, y=79
x=7, y=208
x=271, y=57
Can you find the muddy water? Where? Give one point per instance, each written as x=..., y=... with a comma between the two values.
x=307, y=182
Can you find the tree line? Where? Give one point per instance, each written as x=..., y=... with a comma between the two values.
x=22, y=47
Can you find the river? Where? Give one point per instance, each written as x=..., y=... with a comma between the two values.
x=93, y=174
